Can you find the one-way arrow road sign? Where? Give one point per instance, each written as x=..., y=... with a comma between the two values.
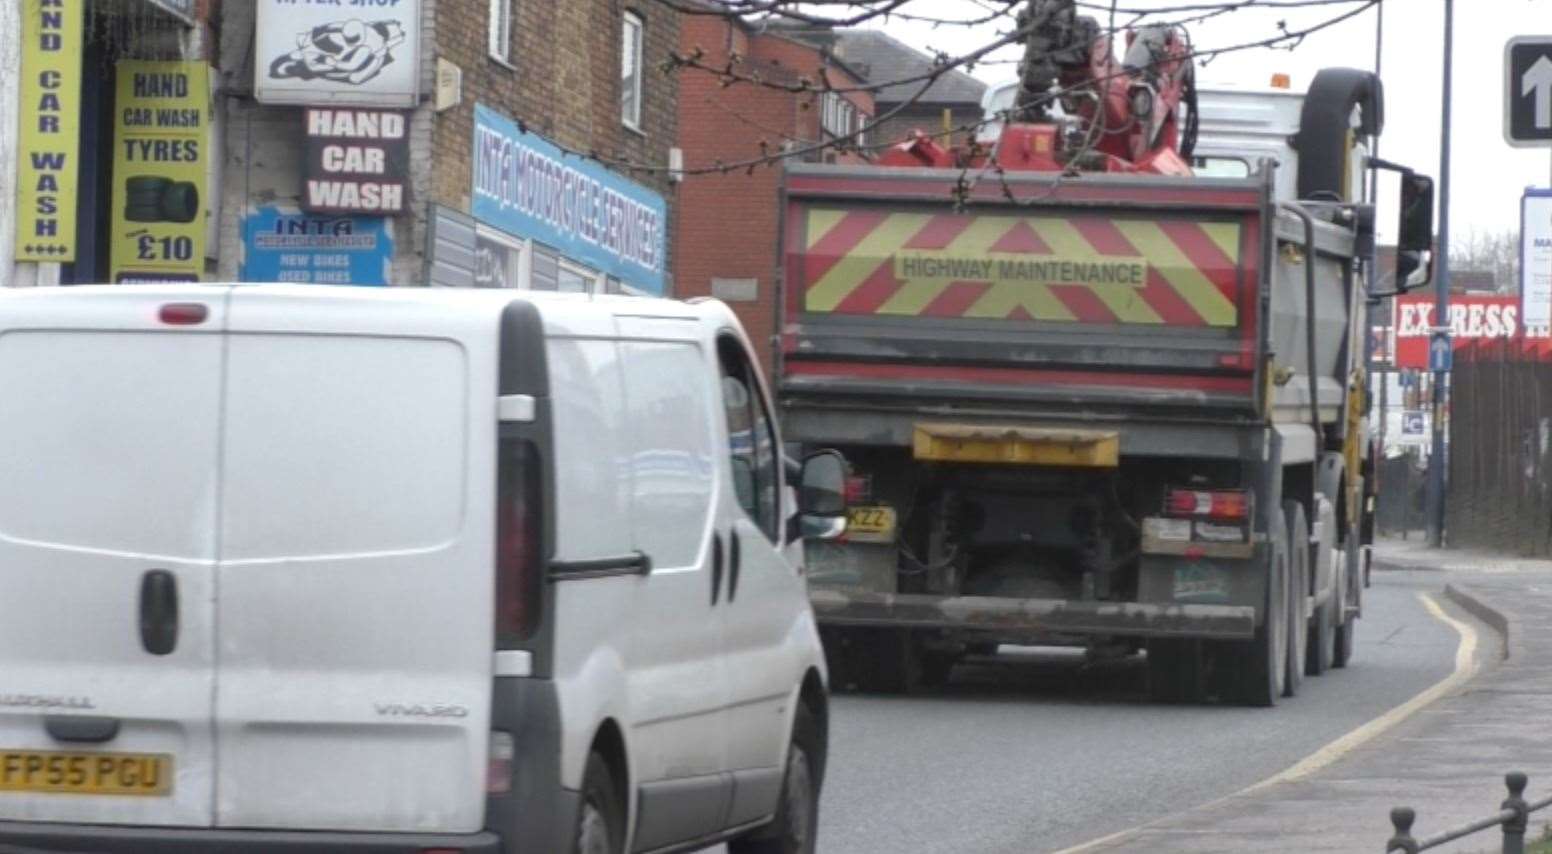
x=1528, y=91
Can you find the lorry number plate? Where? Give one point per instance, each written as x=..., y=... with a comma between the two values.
x=874, y=523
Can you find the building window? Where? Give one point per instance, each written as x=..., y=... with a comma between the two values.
x=498, y=259
x=500, y=31
x=837, y=116
x=630, y=71
x=575, y=279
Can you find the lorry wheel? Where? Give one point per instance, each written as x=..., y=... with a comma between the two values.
x=1260, y=665
x=1322, y=624
x=1174, y=670
x=892, y=661
x=839, y=655
x=1342, y=644
x=1299, y=571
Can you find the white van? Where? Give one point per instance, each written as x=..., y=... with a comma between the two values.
x=342, y=570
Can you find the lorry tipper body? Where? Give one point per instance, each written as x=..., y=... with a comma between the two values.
x=1113, y=409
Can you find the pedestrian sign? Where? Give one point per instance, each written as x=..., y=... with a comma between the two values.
x=1440, y=353
x=1412, y=423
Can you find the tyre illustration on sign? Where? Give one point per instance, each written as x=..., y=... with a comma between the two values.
x=350, y=51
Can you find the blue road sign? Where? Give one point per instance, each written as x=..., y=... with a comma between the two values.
x=1440, y=353
x=1412, y=423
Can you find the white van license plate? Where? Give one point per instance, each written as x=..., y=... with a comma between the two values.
x=85, y=773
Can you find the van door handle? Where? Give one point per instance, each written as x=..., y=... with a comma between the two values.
x=734, y=561
x=716, y=567
x=159, y=611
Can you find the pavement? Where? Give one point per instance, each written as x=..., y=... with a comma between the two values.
x=1446, y=759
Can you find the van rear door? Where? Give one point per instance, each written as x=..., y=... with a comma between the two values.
x=356, y=582
x=109, y=438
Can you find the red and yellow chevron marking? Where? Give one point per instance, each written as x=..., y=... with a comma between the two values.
x=1077, y=268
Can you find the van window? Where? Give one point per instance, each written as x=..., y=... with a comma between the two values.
x=751, y=440
x=592, y=484
x=343, y=445
x=672, y=450
x=108, y=440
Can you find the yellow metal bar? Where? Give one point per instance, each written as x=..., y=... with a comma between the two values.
x=1028, y=446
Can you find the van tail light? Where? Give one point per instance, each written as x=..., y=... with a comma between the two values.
x=498, y=770
x=183, y=313
x=1218, y=505
x=518, y=525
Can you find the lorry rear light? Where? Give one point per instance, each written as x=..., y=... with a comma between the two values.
x=859, y=489
x=183, y=313
x=518, y=522
x=1222, y=505
x=498, y=770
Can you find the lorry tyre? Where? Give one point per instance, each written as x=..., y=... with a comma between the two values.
x=1299, y=572
x=1174, y=670
x=840, y=652
x=892, y=661
x=796, y=824
x=1346, y=623
x=1260, y=666
x=1322, y=623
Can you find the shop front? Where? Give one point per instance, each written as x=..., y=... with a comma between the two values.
x=113, y=151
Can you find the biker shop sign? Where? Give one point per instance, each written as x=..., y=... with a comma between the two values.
x=527, y=187
x=351, y=52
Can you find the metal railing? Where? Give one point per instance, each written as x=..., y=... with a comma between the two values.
x=1513, y=817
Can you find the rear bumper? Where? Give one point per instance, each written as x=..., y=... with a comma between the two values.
x=33, y=838
x=1054, y=616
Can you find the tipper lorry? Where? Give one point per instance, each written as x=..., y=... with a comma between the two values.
x=1091, y=394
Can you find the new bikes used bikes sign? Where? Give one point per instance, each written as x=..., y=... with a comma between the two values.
x=363, y=53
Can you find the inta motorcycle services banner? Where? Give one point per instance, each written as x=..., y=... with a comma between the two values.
x=47, y=162
x=362, y=53
x=161, y=143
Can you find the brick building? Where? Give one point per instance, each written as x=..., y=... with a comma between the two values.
x=726, y=225
x=882, y=58
x=520, y=123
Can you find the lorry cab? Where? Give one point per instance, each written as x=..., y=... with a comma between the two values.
x=311, y=569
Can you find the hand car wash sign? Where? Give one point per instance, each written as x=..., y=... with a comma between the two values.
x=50, y=101
x=357, y=161
x=526, y=186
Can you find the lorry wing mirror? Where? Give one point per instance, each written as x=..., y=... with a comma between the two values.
x=1414, y=240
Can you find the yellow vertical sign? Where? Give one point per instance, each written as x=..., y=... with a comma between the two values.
x=50, y=112
x=160, y=142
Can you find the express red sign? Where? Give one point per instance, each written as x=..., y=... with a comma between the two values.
x=1472, y=317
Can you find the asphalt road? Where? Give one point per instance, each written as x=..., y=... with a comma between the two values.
x=1032, y=751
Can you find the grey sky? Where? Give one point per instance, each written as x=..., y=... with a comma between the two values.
x=1488, y=174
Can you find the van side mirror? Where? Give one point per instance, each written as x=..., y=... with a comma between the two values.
x=1414, y=238
x=823, y=489
x=822, y=495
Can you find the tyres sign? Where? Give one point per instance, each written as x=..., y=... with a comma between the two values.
x=160, y=141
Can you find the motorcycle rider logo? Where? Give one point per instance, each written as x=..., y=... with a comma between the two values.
x=350, y=51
